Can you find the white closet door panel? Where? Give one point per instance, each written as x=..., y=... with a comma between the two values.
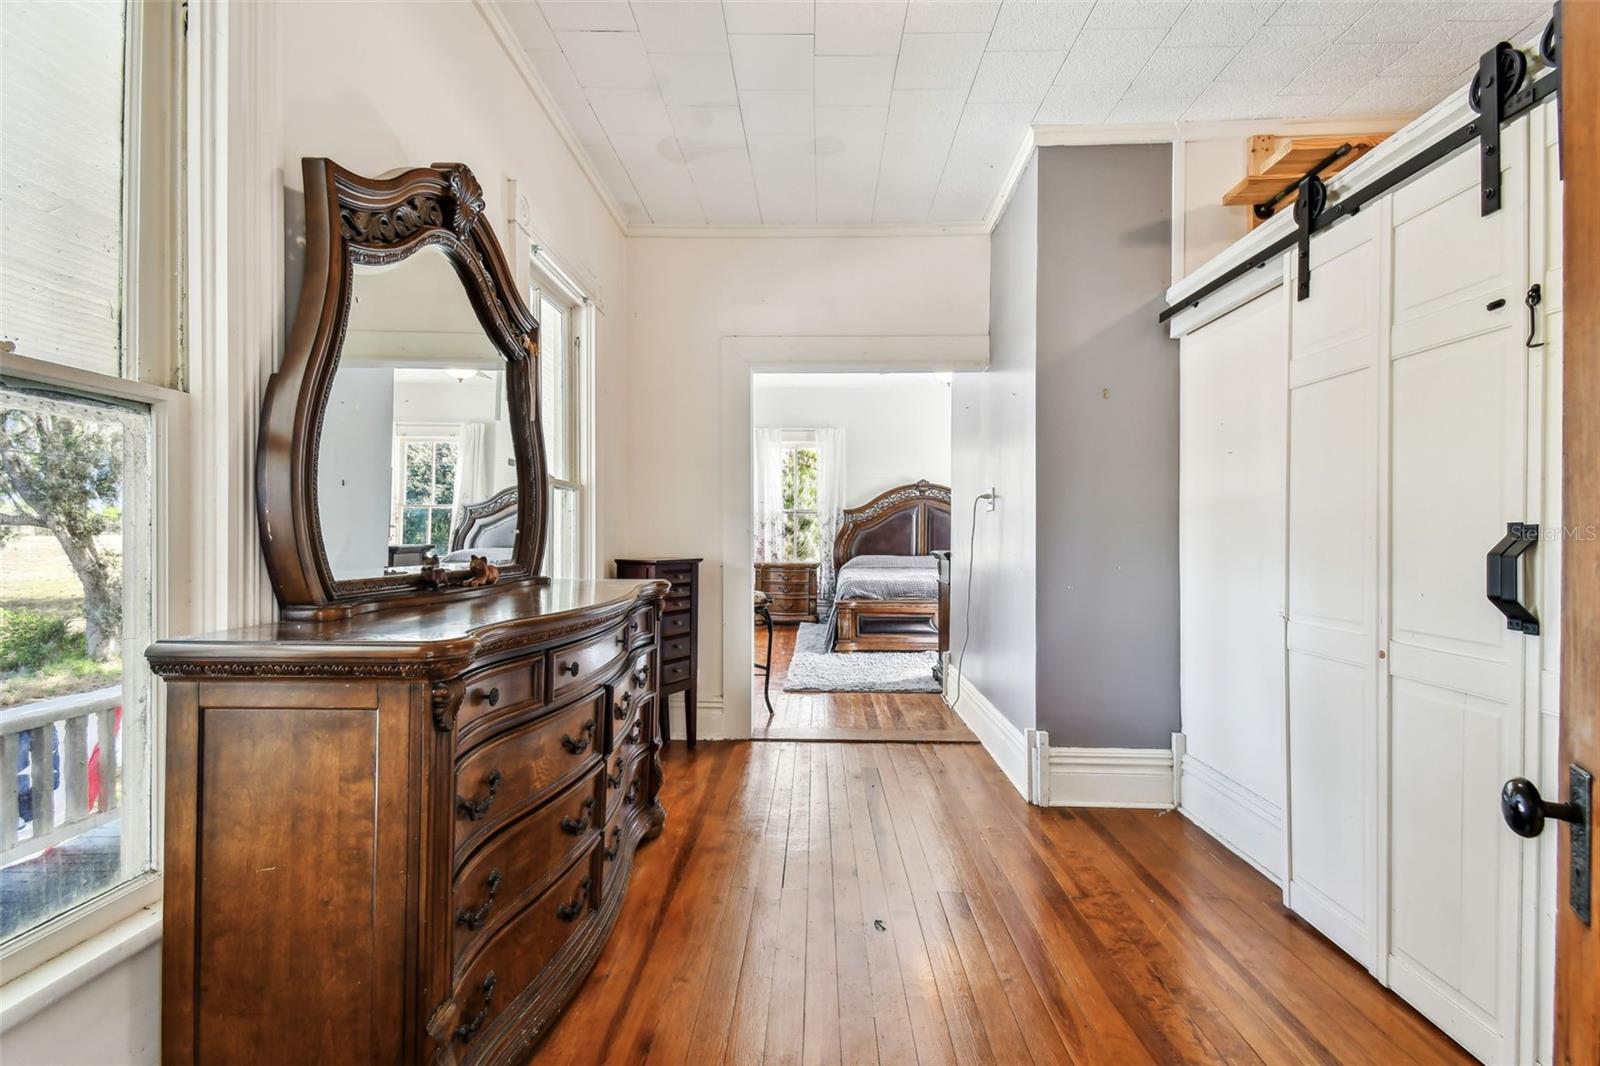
x=1450, y=260
x=1332, y=333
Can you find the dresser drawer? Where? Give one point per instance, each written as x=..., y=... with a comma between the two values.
x=625, y=780
x=791, y=604
x=522, y=948
x=641, y=624
x=519, y=861
x=577, y=665
x=672, y=673
x=787, y=581
x=511, y=773
x=503, y=688
x=676, y=624
x=676, y=648
x=636, y=682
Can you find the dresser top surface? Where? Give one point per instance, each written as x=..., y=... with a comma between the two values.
x=431, y=638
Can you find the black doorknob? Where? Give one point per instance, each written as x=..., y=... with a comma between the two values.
x=1525, y=810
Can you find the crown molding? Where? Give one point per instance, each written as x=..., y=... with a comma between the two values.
x=800, y=231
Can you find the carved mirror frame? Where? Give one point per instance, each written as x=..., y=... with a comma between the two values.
x=354, y=220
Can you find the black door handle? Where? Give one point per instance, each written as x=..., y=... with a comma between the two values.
x=1525, y=811
x=1504, y=566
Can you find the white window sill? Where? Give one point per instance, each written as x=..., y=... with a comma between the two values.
x=29, y=993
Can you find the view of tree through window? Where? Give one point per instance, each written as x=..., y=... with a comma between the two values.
x=802, y=531
x=430, y=493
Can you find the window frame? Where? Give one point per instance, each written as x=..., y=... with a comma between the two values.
x=406, y=433
x=152, y=374
x=795, y=441
x=545, y=276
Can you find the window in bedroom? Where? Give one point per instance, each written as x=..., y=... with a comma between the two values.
x=424, y=499
x=802, y=527
x=563, y=407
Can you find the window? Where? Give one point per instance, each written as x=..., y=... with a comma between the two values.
x=425, y=483
x=562, y=413
x=802, y=528
x=91, y=271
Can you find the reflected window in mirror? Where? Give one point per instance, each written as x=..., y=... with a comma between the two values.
x=563, y=412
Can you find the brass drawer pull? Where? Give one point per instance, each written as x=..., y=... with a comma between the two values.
x=616, y=844
x=468, y=1030
x=475, y=809
x=581, y=745
x=634, y=733
x=632, y=793
x=623, y=704
x=476, y=916
x=616, y=781
x=568, y=911
x=574, y=826
x=642, y=674
x=568, y=668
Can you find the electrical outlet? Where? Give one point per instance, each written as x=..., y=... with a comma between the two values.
x=993, y=496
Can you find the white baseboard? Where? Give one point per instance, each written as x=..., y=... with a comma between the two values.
x=1006, y=744
x=1110, y=777
x=1250, y=826
x=710, y=722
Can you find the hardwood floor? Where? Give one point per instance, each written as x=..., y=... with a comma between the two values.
x=900, y=903
x=852, y=716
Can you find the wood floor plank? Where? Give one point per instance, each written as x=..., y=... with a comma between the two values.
x=821, y=1001
x=853, y=986
x=785, y=1030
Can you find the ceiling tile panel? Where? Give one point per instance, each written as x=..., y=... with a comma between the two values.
x=1452, y=47
x=772, y=61
x=607, y=60
x=527, y=22
x=1278, y=53
x=1221, y=23
x=705, y=129
x=1038, y=25
x=1399, y=96
x=1345, y=66
x=726, y=187
x=859, y=27
x=1168, y=107
x=769, y=16
x=909, y=176
x=939, y=60
x=1136, y=14
x=662, y=178
x=950, y=16
x=1078, y=105
x=776, y=115
x=694, y=79
x=683, y=26
x=593, y=15
x=852, y=127
x=926, y=111
x=1171, y=67
x=1015, y=77
x=1400, y=21
x=843, y=81
x=608, y=167
x=557, y=76
x=785, y=172
x=1339, y=13
x=1101, y=56
x=631, y=112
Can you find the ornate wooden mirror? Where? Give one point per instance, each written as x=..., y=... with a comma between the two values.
x=401, y=456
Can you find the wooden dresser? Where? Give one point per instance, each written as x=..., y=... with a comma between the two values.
x=792, y=589
x=403, y=836
x=680, y=626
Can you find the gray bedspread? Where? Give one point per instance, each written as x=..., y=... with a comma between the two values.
x=888, y=577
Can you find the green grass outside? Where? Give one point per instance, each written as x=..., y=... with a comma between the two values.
x=36, y=579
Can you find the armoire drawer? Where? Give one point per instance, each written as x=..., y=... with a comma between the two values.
x=502, y=688
x=680, y=576
x=520, y=860
x=577, y=665
x=676, y=624
x=514, y=957
x=676, y=648
x=511, y=773
x=672, y=673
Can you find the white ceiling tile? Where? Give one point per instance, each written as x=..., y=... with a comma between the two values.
x=859, y=27
x=681, y=26
x=1218, y=22
x=852, y=126
x=662, y=178
x=694, y=79
x=769, y=115
x=726, y=186
x=1232, y=100
x=967, y=188
x=847, y=178
x=702, y=129
x=1108, y=55
x=1452, y=47
x=557, y=76
x=607, y=60
x=909, y=176
x=950, y=16
x=853, y=80
x=938, y=60
x=1136, y=14
x=1015, y=77
x=527, y=22
x=785, y=171
x=990, y=130
x=772, y=61
x=1154, y=109
x=1345, y=66
x=1337, y=13
x=1038, y=25
x=614, y=175
x=631, y=112
x=1169, y=67
x=593, y=15
x=1392, y=21
x=926, y=111
x=768, y=16
x=1077, y=105
x=587, y=128
x=1278, y=53
x=1515, y=10
x=1398, y=96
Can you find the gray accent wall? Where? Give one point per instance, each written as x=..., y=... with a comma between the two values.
x=1107, y=379
x=993, y=416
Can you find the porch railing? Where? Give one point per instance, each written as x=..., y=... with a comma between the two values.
x=69, y=781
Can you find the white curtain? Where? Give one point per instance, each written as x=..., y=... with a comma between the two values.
x=767, y=494
x=830, y=509
x=474, y=464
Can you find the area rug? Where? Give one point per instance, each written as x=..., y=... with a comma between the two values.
x=814, y=668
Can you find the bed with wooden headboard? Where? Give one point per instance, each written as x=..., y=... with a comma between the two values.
x=886, y=586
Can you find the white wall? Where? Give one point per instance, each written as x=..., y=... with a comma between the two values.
x=353, y=470
x=688, y=295
x=896, y=426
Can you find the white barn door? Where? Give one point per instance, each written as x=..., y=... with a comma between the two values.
x=1457, y=473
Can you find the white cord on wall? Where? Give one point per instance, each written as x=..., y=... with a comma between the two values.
x=966, y=624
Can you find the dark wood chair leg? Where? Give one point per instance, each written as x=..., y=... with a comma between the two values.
x=666, y=720
x=688, y=715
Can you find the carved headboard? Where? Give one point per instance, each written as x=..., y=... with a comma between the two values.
x=906, y=520
x=490, y=523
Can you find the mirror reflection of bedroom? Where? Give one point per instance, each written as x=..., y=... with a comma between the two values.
x=851, y=524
